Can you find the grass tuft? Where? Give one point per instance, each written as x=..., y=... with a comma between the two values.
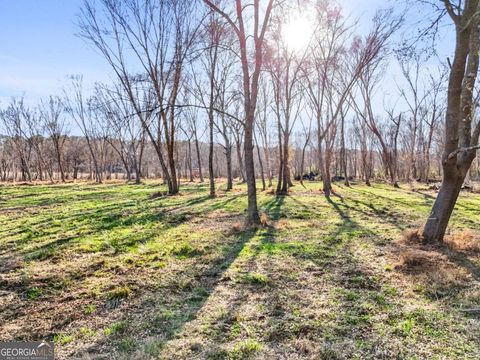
x=255, y=279
x=120, y=292
x=245, y=349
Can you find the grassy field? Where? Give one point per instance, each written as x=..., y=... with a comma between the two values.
x=120, y=271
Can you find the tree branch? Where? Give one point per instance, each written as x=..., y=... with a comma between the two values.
x=463, y=149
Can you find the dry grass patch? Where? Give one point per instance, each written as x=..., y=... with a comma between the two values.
x=236, y=228
x=463, y=240
x=270, y=191
x=264, y=219
x=283, y=224
x=430, y=269
x=412, y=236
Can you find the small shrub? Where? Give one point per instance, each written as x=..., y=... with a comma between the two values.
x=164, y=318
x=235, y=330
x=352, y=296
x=86, y=332
x=388, y=267
x=405, y=327
x=380, y=299
x=33, y=293
x=389, y=290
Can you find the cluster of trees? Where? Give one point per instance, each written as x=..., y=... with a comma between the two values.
x=216, y=88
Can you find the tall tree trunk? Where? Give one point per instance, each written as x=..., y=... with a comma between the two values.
x=343, y=152
x=267, y=164
x=211, y=175
x=281, y=167
x=260, y=162
x=228, y=155
x=327, y=184
x=240, y=161
x=199, y=160
x=437, y=222
x=302, y=161
x=253, y=217
x=286, y=169
x=59, y=162
x=189, y=160
x=457, y=158
x=210, y=151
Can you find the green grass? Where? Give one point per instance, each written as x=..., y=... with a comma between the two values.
x=173, y=277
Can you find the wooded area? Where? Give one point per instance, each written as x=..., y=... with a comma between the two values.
x=278, y=117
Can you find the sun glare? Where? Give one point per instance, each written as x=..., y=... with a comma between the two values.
x=297, y=32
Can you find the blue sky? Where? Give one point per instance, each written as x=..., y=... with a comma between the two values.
x=38, y=48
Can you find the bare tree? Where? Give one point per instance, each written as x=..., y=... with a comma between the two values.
x=262, y=124
x=250, y=82
x=51, y=113
x=81, y=111
x=213, y=34
x=364, y=137
x=334, y=71
x=123, y=131
x=14, y=125
x=435, y=110
x=415, y=100
x=461, y=135
x=160, y=36
x=284, y=66
x=192, y=123
x=306, y=135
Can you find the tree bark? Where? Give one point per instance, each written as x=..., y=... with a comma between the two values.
x=228, y=155
x=457, y=158
x=199, y=160
x=437, y=222
x=260, y=162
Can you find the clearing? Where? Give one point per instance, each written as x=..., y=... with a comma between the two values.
x=120, y=271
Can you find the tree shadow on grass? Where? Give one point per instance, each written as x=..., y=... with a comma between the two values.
x=101, y=219
x=462, y=259
x=59, y=245
x=427, y=201
x=161, y=315
x=274, y=207
x=266, y=280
